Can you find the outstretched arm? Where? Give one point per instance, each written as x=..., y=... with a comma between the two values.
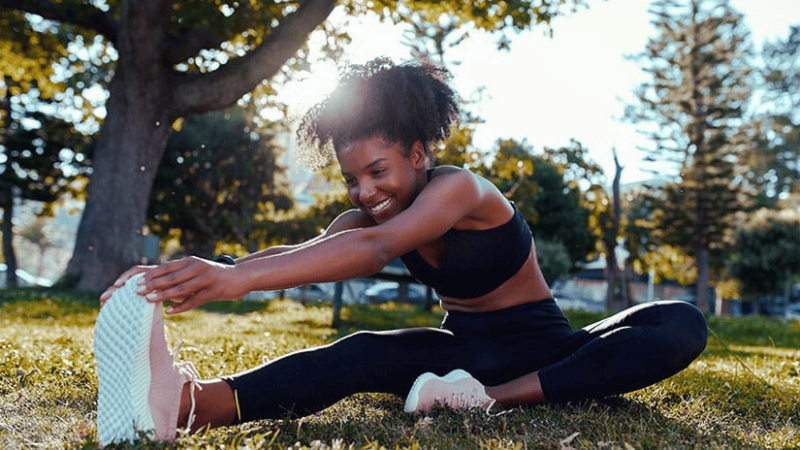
x=348, y=220
x=347, y=254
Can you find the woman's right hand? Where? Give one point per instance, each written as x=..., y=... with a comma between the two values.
x=122, y=280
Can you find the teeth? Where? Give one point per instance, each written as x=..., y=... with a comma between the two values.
x=380, y=206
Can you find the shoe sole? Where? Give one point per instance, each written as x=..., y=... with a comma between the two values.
x=121, y=349
x=412, y=401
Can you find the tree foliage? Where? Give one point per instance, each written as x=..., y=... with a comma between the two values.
x=767, y=252
x=219, y=181
x=43, y=159
x=695, y=102
x=546, y=190
x=185, y=57
x=775, y=159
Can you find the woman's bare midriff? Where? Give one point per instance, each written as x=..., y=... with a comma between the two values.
x=526, y=286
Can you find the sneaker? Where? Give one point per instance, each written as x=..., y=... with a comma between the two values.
x=457, y=390
x=139, y=383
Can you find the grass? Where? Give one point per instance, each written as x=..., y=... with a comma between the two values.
x=742, y=393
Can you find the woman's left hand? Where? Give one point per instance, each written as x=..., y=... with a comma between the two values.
x=189, y=282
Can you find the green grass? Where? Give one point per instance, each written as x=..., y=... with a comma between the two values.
x=741, y=394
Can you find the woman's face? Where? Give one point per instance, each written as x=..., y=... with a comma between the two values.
x=381, y=179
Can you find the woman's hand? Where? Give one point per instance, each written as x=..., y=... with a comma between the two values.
x=189, y=282
x=122, y=280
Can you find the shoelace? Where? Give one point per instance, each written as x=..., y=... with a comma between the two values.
x=192, y=376
x=462, y=400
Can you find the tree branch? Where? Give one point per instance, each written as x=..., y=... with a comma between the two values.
x=188, y=44
x=81, y=14
x=219, y=89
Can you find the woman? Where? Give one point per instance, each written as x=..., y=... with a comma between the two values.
x=503, y=341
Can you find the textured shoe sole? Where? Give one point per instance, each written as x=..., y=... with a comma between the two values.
x=412, y=401
x=121, y=349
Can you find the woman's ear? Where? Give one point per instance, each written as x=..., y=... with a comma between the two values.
x=419, y=159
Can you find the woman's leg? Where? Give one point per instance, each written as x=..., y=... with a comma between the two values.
x=215, y=405
x=308, y=381
x=628, y=351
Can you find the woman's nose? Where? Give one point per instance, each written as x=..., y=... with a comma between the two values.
x=366, y=192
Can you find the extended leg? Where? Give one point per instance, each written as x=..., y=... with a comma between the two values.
x=215, y=405
x=308, y=381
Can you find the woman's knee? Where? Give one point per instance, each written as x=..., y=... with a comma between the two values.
x=688, y=326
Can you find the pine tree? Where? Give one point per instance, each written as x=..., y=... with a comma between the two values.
x=776, y=158
x=696, y=98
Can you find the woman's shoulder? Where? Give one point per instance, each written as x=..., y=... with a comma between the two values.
x=463, y=179
x=491, y=208
x=439, y=171
x=453, y=174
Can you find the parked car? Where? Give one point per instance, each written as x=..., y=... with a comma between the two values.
x=792, y=312
x=23, y=278
x=308, y=292
x=389, y=291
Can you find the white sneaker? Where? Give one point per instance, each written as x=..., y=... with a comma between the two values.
x=140, y=385
x=457, y=390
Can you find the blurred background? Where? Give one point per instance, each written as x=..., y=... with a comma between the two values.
x=653, y=147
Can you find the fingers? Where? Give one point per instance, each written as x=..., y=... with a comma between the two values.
x=187, y=282
x=176, y=281
x=165, y=274
x=121, y=280
x=185, y=305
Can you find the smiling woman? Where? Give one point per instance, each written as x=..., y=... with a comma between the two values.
x=504, y=340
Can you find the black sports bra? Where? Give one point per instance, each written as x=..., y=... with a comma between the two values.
x=476, y=261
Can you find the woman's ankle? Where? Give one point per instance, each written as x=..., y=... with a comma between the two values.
x=215, y=405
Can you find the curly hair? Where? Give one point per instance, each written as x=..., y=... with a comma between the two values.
x=402, y=103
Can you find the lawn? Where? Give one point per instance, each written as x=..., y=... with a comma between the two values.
x=741, y=394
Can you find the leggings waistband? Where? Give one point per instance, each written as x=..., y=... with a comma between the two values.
x=544, y=313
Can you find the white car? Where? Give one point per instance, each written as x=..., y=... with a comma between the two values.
x=389, y=291
x=792, y=312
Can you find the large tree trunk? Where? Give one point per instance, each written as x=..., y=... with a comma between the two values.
x=145, y=98
x=127, y=157
x=132, y=142
x=703, y=279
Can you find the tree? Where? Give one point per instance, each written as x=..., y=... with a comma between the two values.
x=177, y=58
x=37, y=234
x=43, y=157
x=776, y=157
x=609, y=219
x=553, y=207
x=766, y=256
x=696, y=99
x=583, y=197
x=218, y=180
x=41, y=153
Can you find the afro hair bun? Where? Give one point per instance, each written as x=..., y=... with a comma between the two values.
x=401, y=103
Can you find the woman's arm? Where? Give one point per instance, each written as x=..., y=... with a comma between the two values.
x=348, y=220
x=346, y=254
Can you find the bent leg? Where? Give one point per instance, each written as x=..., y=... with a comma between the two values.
x=628, y=351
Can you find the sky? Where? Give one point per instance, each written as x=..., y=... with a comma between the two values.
x=547, y=90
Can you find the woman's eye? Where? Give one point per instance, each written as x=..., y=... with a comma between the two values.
x=377, y=172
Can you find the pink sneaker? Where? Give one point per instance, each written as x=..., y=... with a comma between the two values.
x=457, y=390
x=140, y=384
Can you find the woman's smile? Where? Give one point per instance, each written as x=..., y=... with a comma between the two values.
x=380, y=207
x=382, y=177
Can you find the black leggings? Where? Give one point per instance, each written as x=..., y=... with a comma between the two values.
x=627, y=351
